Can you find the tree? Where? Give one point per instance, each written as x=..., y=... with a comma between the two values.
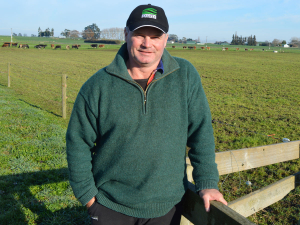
x=189, y=39
x=39, y=32
x=91, y=29
x=20, y=35
x=65, y=33
x=74, y=34
x=114, y=33
x=184, y=40
x=33, y=35
x=276, y=42
x=173, y=37
x=295, y=42
x=14, y=34
x=283, y=42
x=52, y=32
x=254, y=40
x=88, y=34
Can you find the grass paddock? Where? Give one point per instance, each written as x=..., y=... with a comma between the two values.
x=252, y=94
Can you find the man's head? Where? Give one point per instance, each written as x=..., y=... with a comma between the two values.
x=146, y=35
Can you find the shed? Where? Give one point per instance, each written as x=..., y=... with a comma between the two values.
x=190, y=42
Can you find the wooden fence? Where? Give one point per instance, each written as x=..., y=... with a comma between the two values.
x=237, y=160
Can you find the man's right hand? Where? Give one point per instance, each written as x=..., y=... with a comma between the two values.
x=88, y=205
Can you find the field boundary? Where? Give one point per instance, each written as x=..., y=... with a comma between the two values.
x=253, y=202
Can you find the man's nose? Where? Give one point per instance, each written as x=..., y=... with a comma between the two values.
x=147, y=42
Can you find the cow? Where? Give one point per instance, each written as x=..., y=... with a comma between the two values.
x=208, y=48
x=23, y=46
x=173, y=46
x=251, y=49
x=263, y=49
x=5, y=45
x=246, y=49
x=68, y=47
x=14, y=44
x=223, y=49
x=202, y=47
x=75, y=46
x=237, y=49
x=94, y=45
x=101, y=46
x=58, y=46
x=226, y=49
x=52, y=46
x=190, y=47
x=184, y=46
x=194, y=47
x=40, y=46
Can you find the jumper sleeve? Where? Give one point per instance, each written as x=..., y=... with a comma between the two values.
x=200, y=136
x=80, y=138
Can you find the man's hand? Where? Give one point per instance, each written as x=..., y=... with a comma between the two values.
x=88, y=205
x=210, y=195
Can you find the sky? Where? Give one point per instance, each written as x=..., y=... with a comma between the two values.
x=209, y=20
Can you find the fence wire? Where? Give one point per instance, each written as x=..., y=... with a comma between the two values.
x=23, y=67
x=47, y=90
x=54, y=85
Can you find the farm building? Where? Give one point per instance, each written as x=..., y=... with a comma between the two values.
x=285, y=46
x=190, y=42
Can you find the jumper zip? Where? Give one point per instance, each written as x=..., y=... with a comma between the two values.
x=145, y=92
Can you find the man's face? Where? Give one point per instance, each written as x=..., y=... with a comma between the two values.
x=145, y=46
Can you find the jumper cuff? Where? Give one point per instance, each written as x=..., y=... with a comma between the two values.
x=208, y=184
x=88, y=196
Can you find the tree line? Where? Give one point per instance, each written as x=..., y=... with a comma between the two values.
x=240, y=40
x=93, y=32
x=46, y=33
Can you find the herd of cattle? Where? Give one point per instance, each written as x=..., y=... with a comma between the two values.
x=39, y=46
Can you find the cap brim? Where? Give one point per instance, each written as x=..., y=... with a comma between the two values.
x=149, y=26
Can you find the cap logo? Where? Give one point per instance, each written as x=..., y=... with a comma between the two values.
x=149, y=13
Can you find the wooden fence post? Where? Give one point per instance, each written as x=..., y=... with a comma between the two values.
x=8, y=75
x=64, y=95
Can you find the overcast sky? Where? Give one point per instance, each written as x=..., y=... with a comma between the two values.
x=214, y=19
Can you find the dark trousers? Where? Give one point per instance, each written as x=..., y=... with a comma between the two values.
x=100, y=215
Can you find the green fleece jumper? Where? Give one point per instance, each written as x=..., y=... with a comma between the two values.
x=127, y=146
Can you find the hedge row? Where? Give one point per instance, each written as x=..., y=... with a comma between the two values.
x=104, y=41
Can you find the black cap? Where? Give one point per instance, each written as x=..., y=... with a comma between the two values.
x=148, y=15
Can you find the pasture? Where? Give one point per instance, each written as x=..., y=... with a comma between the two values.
x=254, y=100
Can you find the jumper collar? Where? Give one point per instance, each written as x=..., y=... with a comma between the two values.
x=160, y=66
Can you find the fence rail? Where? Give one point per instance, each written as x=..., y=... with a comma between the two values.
x=234, y=161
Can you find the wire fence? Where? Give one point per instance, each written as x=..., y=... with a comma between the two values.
x=47, y=92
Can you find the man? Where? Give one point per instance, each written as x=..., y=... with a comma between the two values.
x=129, y=129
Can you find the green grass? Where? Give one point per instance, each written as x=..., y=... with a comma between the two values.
x=251, y=95
x=34, y=187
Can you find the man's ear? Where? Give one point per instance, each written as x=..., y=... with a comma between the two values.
x=166, y=40
x=125, y=34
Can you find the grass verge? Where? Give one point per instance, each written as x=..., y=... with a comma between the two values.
x=34, y=187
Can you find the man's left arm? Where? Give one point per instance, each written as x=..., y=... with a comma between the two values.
x=201, y=142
